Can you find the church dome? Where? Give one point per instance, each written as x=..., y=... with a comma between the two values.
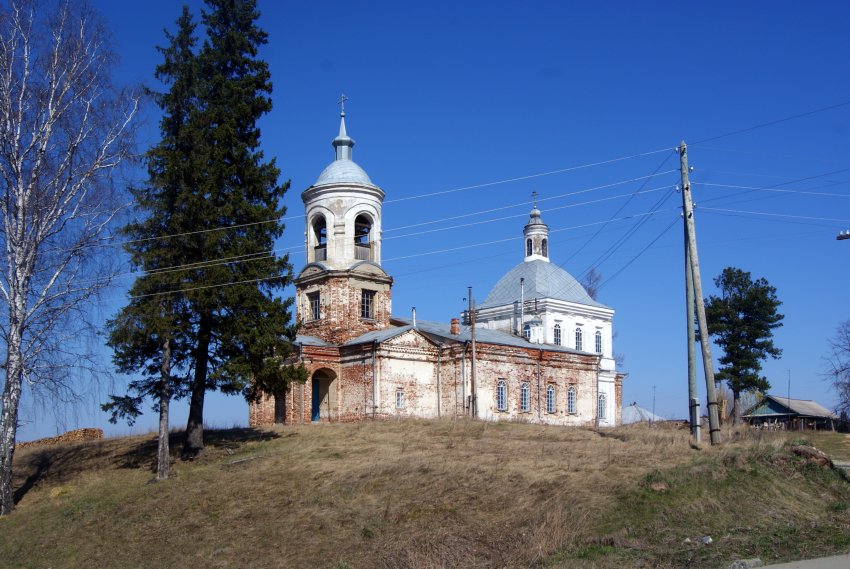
x=344, y=172
x=541, y=280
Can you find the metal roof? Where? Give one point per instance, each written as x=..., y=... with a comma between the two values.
x=310, y=341
x=343, y=172
x=803, y=407
x=542, y=280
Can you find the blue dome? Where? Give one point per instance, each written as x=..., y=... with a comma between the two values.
x=542, y=280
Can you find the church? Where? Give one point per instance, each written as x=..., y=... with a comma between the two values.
x=538, y=349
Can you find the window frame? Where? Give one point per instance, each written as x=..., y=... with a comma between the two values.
x=367, y=304
x=579, y=339
x=572, y=400
x=400, y=399
x=598, y=342
x=556, y=333
x=526, y=331
x=525, y=397
x=602, y=407
x=314, y=303
x=501, y=395
x=551, y=399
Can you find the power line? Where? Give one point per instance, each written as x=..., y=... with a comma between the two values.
x=776, y=190
x=768, y=214
x=773, y=122
x=528, y=177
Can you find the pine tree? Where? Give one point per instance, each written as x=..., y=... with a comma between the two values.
x=742, y=320
x=153, y=333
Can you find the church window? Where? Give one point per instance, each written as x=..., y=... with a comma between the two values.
x=526, y=331
x=528, y=248
x=544, y=246
x=362, y=232
x=598, y=342
x=502, y=395
x=314, y=298
x=602, y=407
x=399, y=399
x=320, y=234
x=525, y=398
x=367, y=304
x=578, y=339
x=557, y=334
x=550, y=399
x=571, y=400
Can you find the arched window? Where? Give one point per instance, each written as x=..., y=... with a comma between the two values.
x=362, y=231
x=558, y=334
x=528, y=249
x=526, y=331
x=550, y=399
x=525, y=398
x=320, y=236
x=578, y=339
x=598, y=342
x=602, y=407
x=544, y=246
x=571, y=400
x=502, y=395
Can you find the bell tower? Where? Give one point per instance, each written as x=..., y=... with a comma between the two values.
x=342, y=291
x=536, y=235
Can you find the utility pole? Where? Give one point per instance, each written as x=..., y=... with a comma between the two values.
x=693, y=397
x=472, y=370
x=705, y=342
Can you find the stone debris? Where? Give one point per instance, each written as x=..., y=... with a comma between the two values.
x=747, y=563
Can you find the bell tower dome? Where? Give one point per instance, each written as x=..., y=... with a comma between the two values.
x=343, y=291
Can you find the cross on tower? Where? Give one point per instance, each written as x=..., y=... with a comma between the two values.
x=341, y=103
x=534, y=197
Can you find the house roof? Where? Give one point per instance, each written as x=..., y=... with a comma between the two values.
x=772, y=406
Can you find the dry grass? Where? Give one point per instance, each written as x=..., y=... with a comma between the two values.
x=420, y=494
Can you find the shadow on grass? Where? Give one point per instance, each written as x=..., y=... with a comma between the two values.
x=61, y=462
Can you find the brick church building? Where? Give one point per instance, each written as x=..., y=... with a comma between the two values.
x=542, y=351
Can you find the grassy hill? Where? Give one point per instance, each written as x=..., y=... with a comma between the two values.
x=429, y=494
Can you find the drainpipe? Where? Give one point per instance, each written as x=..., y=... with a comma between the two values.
x=438, y=381
x=539, y=410
x=374, y=378
x=463, y=373
x=598, y=363
x=522, y=307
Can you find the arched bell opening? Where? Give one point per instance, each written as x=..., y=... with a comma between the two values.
x=363, y=238
x=320, y=238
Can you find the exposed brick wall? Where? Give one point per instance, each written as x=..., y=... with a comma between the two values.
x=340, y=299
x=409, y=362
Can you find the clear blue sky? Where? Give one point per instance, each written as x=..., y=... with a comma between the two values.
x=448, y=95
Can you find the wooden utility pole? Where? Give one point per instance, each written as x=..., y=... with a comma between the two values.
x=705, y=342
x=472, y=365
x=693, y=397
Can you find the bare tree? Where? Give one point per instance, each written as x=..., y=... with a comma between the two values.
x=64, y=129
x=591, y=282
x=838, y=365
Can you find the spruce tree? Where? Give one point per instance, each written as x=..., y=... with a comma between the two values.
x=153, y=334
x=242, y=328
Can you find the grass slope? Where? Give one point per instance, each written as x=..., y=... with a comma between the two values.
x=428, y=494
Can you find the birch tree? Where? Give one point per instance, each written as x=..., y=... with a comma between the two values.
x=64, y=129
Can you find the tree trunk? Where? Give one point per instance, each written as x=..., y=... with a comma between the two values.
x=163, y=458
x=11, y=400
x=736, y=407
x=194, y=443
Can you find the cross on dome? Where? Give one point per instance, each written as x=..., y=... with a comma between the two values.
x=341, y=103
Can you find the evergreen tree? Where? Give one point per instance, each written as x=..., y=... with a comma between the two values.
x=742, y=320
x=242, y=328
x=153, y=333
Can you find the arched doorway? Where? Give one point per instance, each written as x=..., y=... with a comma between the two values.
x=324, y=395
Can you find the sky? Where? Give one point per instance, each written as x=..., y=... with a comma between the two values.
x=460, y=110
